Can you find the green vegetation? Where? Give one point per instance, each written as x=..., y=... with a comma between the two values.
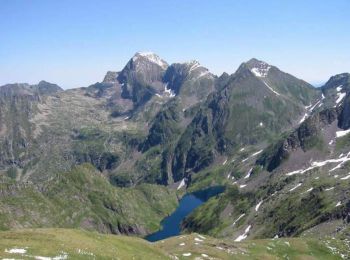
x=84, y=198
x=78, y=244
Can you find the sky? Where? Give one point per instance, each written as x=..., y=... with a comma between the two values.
x=74, y=43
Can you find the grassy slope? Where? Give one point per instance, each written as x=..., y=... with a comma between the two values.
x=84, y=198
x=79, y=244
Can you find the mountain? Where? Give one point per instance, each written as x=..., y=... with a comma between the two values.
x=257, y=103
x=296, y=186
x=116, y=156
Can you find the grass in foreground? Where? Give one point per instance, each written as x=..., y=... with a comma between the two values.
x=58, y=244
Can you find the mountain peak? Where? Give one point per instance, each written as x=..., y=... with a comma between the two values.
x=337, y=80
x=258, y=68
x=111, y=77
x=151, y=57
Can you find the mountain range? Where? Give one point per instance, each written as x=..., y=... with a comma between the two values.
x=116, y=156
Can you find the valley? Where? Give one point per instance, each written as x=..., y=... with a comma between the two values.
x=237, y=166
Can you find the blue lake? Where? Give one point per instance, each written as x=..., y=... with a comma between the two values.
x=171, y=224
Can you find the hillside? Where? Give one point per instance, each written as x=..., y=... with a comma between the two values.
x=77, y=244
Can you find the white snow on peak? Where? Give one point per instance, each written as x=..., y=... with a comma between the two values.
x=261, y=70
x=182, y=184
x=242, y=186
x=338, y=204
x=342, y=133
x=244, y=235
x=203, y=73
x=267, y=85
x=152, y=57
x=193, y=65
x=323, y=97
x=258, y=206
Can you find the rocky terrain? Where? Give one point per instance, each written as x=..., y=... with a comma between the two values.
x=116, y=156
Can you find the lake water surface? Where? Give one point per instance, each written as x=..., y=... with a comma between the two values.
x=171, y=224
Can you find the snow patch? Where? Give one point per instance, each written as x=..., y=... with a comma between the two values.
x=303, y=119
x=342, y=133
x=328, y=189
x=193, y=65
x=244, y=235
x=16, y=251
x=314, y=165
x=258, y=206
x=271, y=89
x=295, y=187
x=202, y=237
x=339, y=88
x=255, y=154
x=338, y=204
x=309, y=190
x=248, y=174
x=341, y=96
x=241, y=216
x=182, y=184
x=243, y=185
x=186, y=254
x=345, y=178
x=168, y=91
x=262, y=70
x=245, y=159
x=152, y=57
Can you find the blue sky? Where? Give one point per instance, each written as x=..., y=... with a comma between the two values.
x=74, y=43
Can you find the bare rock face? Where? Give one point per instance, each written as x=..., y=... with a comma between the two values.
x=142, y=76
x=111, y=77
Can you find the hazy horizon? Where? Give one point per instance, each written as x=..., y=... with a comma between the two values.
x=73, y=44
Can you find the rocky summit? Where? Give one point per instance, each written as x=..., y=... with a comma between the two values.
x=267, y=154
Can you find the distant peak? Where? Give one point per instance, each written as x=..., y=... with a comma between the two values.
x=336, y=80
x=152, y=57
x=192, y=65
x=258, y=68
x=110, y=77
